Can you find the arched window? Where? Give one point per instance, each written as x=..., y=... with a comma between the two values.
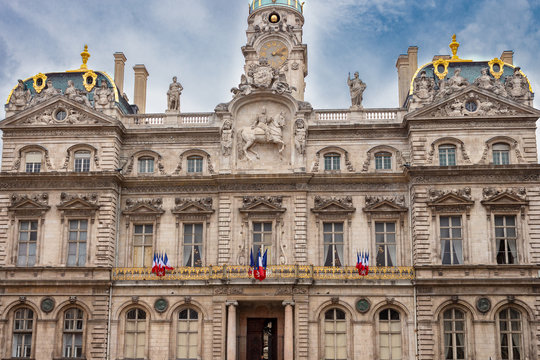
x=501, y=154
x=82, y=161
x=23, y=325
x=187, y=336
x=383, y=161
x=389, y=335
x=195, y=164
x=33, y=161
x=447, y=155
x=146, y=165
x=135, y=334
x=332, y=161
x=454, y=334
x=511, y=334
x=72, y=337
x=335, y=335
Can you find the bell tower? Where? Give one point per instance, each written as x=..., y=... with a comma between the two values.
x=274, y=35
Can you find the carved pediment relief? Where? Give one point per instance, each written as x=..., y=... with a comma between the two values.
x=59, y=112
x=78, y=205
x=473, y=102
x=333, y=205
x=262, y=205
x=144, y=207
x=193, y=206
x=35, y=204
x=511, y=199
x=455, y=200
x=385, y=204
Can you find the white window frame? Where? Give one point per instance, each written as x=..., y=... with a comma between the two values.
x=497, y=152
x=446, y=147
x=143, y=165
x=25, y=331
x=35, y=167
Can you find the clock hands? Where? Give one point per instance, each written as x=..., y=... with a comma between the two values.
x=280, y=52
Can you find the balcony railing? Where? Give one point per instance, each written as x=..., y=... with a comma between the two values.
x=278, y=272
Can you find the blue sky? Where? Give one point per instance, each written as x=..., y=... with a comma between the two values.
x=199, y=41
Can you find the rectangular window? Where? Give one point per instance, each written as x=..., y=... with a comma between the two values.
x=262, y=239
x=77, y=237
x=501, y=157
x=505, y=238
x=333, y=243
x=383, y=161
x=28, y=232
x=447, y=155
x=332, y=162
x=193, y=244
x=385, y=240
x=33, y=162
x=82, y=161
x=22, y=333
x=194, y=164
x=143, y=236
x=451, y=240
x=146, y=165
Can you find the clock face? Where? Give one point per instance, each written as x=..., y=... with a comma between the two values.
x=275, y=52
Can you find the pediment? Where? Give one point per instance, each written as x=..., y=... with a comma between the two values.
x=333, y=206
x=451, y=200
x=487, y=104
x=262, y=206
x=44, y=113
x=192, y=208
x=28, y=204
x=505, y=199
x=385, y=206
x=77, y=204
x=143, y=209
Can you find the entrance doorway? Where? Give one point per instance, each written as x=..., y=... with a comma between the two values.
x=261, y=339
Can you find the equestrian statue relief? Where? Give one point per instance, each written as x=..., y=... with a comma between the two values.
x=263, y=130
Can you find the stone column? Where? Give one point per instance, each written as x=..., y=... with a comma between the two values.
x=231, y=329
x=288, y=336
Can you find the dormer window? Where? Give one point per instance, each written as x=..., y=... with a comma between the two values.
x=82, y=161
x=33, y=162
x=332, y=162
x=146, y=165
x=447, y=155
x=383, y=161
x=195, y=164
x=501, y=154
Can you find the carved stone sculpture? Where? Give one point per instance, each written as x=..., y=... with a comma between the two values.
x=155, y=204
x=321, y=202
x=484, y=81
x=20, y=97
x=262, y=74
x=356, y=88
x=517, y=86
x=300, y=136
x=103, y=97
x=47, y=93
x=205, y=203
x=435, y=194
x=424, y=88
x=280, y=85
x=491, y=192
x=373, y=200
x=173, y=95
x=263, y=130
x=244, y=88
x=75, y=94
x=457, y=82
x=248, y=201
x=226, y=138
x=42, y=199
x=90, y=198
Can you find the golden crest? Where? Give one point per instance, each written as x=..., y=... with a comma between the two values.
x=436, y=64
x=89, y=80
x=496, y=74
x=39, y=82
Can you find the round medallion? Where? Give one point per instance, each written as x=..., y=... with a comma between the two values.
x=47, y=304
x=471, y=106
x=273, y=18
x=60, y=115
x=363, y=305
x=161, y=305
x=483, y=304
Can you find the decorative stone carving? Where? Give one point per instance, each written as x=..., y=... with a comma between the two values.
x=452, y=85
x=40, y=199
x=300, y=136
x=333, y=205
x=517, y=86
x=20, y=97
x=356, y=88
x=173, y=95
x=424, y=89
x=491, y=192
x=472, y=104
x=204, y=204
x=103, y=97
x=263, y=76
x=154, y=204
x=436, y=194
x=49, y=92
x=76, y=95
x=304, y=105
x=263, y=130
x=244, y=88
x=514, y=147
x=226, y=138
x=249, y=201
x=398, y=200
x=486, y=82
x=89, y=198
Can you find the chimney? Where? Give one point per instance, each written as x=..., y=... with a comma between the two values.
x=402, y=66
x=141, y=75
x=119, y=63
x=508, y=57
x=412, y=53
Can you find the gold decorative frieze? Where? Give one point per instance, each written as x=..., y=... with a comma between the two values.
x=39, y=82
x=278, y=272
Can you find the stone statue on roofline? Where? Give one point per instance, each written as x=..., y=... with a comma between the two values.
x=75, y=94
x=173, y=95
x=356, y=88
x=103, y=96
x=517, y=86
x=20, y=97
x=484, y=81
x=423, y=89
x=47, y=93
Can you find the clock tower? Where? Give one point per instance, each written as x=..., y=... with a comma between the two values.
x=274, y=36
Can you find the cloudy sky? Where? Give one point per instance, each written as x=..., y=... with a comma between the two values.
x=199, y=41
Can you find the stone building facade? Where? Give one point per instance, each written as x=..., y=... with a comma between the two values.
x=443, y=192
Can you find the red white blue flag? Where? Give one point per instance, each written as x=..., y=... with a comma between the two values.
x=362, y=262
x=259, y=267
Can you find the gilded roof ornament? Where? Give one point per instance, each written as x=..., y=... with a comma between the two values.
x=85, y=55
x=454, y=45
